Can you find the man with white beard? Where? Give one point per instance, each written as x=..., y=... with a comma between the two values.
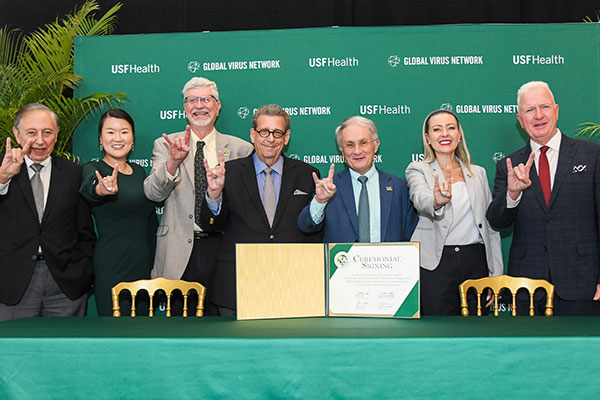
x=178, y=177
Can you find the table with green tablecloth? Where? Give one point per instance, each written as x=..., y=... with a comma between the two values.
x=176, y=358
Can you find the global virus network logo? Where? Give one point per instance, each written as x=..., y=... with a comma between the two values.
x=193, y=66
x=394, y=61
x=446, y=106
x=497, y=156
x=243, y=112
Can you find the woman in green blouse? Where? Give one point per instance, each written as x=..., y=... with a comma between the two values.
x=125, y=220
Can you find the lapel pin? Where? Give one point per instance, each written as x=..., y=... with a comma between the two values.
x=388, y=188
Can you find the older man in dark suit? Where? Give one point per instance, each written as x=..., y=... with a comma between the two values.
x=550, y=192
x=260, y=200
x=46, y=230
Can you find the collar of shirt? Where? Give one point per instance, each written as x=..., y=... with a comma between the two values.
x=210, y=147
x=370, y=173
x=259, y=165
x=46, y=164
x=553, y=144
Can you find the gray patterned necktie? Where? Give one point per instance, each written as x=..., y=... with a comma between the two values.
x=200, y=183
x=38, y=190
x=364, y=224
x=269, y=199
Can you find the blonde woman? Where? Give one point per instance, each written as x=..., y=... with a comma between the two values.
x=451, y=197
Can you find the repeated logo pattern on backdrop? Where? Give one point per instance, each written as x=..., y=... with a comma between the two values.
x=394, y=76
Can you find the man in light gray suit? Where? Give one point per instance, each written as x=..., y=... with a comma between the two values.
x=178, y=177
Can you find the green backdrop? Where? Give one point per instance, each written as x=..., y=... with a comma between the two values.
x=394, y=75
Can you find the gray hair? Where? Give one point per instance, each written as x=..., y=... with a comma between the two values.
x=355, y=120
x=530, y=86
x=198, y=83
x=32, y=107
x=272, y=110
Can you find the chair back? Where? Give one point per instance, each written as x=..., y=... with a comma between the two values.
x=497, y=283
x=152, y=286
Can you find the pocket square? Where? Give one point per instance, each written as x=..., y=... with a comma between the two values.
x=579, y=168
x=299, y=192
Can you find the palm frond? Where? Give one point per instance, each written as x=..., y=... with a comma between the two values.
x=589, y=129
x=11, y=45
x=38, y=67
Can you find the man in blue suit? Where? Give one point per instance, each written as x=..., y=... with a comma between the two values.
x=549, y=191
x=362, y=203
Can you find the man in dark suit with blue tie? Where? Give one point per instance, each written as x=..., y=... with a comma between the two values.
x=46, y=231
x=549, y=191
x=258, y=200
x=362, y=203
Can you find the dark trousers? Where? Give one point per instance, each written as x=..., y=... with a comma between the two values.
x=43, y=298
x=201, y=268
x=439, y=288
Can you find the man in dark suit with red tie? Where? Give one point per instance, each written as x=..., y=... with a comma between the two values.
x=46, y=230
x=257, y=200
x=550, y=192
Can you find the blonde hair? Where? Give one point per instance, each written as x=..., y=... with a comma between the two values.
x=462, y=152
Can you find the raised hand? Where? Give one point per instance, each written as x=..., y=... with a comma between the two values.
x=215, y=177
x=518, y=177
x=324, y=188
x=13, y=159
x=179, y=149
x=107, y=185
x=442, y=191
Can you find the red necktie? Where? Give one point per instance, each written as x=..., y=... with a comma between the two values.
x=545, y=173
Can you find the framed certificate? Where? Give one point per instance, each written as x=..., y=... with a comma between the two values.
x=374, y=280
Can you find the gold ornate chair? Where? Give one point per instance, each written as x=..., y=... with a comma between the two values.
x=512, y=283
x=153, y=285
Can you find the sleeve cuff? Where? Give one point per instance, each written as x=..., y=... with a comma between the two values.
x=510, y=203
x=214, y=205
x=317, y=211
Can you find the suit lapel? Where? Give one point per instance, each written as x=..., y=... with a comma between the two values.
x=565, y=159
x=345, y=190
x=22, y=180
x=535, y=187
x=188, y=164
x=54, y=189
x=470, y=183
x=386, y=193
x=248, y=179
x=286, y=191
x=221, y=144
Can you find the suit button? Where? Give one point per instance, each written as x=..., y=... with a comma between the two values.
x=480, y=226
x=189, y=240
x=191, y=216
x=457, y=249
x=271, y=237
x=34, y=257
x=548, y=221
x=544, y=248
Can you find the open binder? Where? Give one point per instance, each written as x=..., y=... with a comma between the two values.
x=316, y=280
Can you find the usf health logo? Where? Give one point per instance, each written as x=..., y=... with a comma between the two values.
x=193, y=66
x=243, y=112
x=394, y=60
